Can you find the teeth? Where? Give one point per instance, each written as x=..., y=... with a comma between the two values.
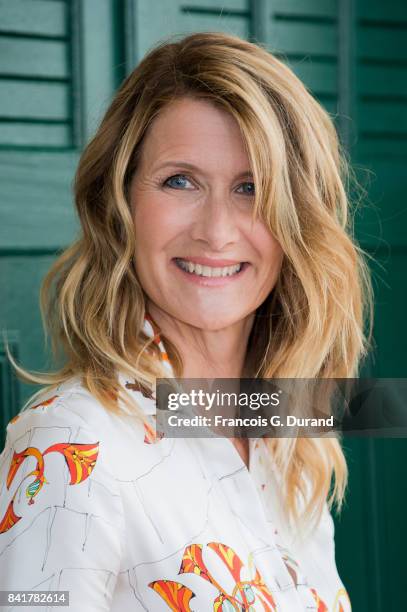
x=207, y=270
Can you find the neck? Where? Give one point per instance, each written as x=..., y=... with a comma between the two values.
x=206, y=353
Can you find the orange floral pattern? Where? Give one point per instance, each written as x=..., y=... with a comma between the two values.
x=245, y=592
x=80, y=459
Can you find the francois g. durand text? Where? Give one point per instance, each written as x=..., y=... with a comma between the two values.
x=275, y=420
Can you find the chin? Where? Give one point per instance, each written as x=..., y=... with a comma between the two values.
x=210, y=322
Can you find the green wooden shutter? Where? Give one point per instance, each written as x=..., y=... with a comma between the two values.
x=353, y=57
x=59, y=65
x=35, y=75
x=149, y=22
x=377, y=62
x=305, y=34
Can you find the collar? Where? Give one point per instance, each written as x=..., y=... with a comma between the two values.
x=142, y=395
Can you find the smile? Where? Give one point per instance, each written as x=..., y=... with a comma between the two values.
x=209, y=276
x=207, y=271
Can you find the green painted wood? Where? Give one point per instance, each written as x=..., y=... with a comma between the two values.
x=20, y=316
x=30, y=57
x=381, y=221
x=361, y=48
x=384, y=116
x=9, y=388
x=378, y=143
x=19, y=134
x=95, y=22
x=55, y=81
x=355, y=538
x=305, y=8
x=228, y=7
x=35, y=73
x=149, y=22
x=329, y=104
x=36, y=186
x=38, y=17
x=391, y=487
x=393, y=11
x=35, y=100
x=321, y=78
x=390, y=329
x=383, y=80
x=389, y=147
x=372, y=526
x=382, y=43
x=304, y=38
x=305, y=35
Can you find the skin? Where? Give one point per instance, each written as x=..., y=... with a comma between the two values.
x=206, y=212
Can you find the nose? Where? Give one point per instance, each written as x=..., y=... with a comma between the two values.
x=216, y=222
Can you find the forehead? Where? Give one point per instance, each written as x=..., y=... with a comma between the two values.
x=195, y=131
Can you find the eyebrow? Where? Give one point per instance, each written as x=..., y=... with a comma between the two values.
x=182, y=164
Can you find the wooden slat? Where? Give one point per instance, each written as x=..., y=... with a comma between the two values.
x=150, y=22
x=33, y=58
x=382, y=80
x=394, y=10
x=225, y=5
x=316, y=8
x=383, y=43
x=40, y=18
x=380, y=117
x=21, y=99
x=330, y=105
x=96, y=62
x=35, y=135
x=36, y=199
x=319, y=77
x=381, y=149
x=304, y=38
x=385, y=214
x=353, y=531
x=233, y=24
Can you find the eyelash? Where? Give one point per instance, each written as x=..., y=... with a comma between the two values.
x=163, y=183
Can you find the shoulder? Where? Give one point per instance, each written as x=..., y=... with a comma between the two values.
x=57, y=477
x=68, y=405
x=66, y=450
x=71, y=419
x=70, y=409
x=66, y=424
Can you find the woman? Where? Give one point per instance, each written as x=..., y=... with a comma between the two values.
x=214, y=243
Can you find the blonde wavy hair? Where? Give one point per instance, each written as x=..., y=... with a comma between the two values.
x=317, y=321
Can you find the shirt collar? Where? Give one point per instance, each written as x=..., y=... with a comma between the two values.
x=144, y=397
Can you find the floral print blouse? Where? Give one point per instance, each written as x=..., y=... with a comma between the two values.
x=98, y=505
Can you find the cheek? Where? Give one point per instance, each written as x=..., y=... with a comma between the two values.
x=156, y=226
x=276, y=253
x=146, y=220
x=145, y=231
x=268, y=248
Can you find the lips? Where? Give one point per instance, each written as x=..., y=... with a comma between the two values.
x=208, y=271
x=201, y=275
x=212, y=262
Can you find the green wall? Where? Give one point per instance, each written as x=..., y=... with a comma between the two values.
x=60, y=63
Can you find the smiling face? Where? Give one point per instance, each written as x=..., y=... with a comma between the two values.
x=199, y=256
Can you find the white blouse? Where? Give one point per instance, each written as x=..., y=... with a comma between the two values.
x=97, y=505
